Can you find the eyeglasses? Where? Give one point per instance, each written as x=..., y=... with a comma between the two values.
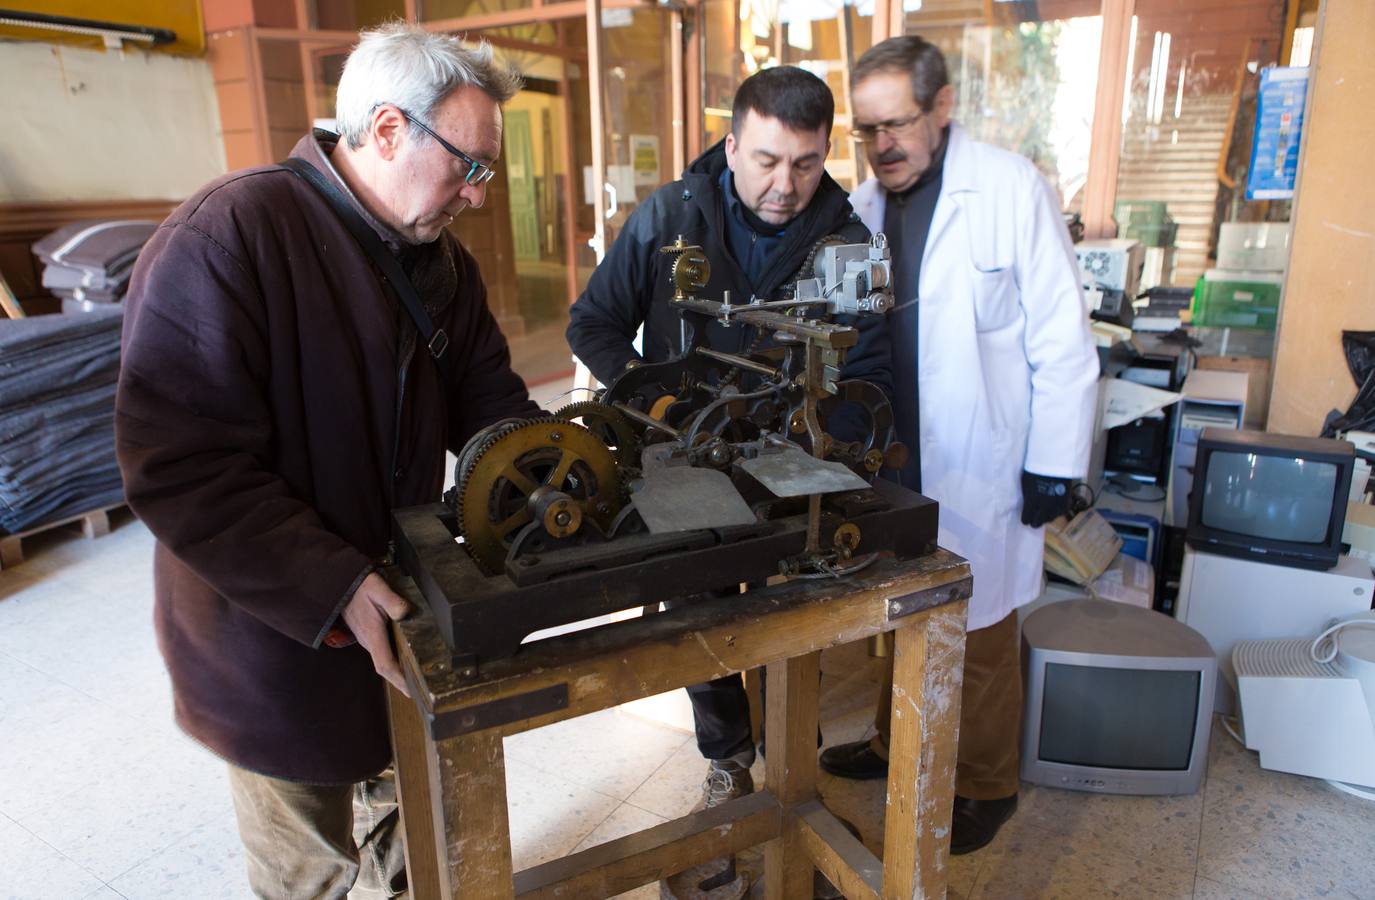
x=477, y=172
x=866, y=133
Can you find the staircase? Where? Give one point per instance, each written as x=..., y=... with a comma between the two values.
x=1176, y=161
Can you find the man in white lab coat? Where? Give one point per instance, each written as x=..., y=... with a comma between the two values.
x=994, y=371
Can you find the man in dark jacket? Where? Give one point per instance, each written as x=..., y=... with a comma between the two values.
x=757, y=203
x=274, y=405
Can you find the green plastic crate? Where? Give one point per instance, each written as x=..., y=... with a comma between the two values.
x=1150, y=213
x=1228, y=298
x=1152, y=235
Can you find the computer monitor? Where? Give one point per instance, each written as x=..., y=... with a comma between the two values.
x=1119, y=699
x=1272, y=497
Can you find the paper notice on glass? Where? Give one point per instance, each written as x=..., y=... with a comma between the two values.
x=1126, y=401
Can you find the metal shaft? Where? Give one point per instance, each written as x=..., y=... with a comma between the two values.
x=647, y=420
x=739, y=362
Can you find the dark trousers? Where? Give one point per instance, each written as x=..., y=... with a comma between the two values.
x=721, y=715
x=720, y=707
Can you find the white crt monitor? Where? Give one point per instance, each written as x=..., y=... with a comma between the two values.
x=1119, y=699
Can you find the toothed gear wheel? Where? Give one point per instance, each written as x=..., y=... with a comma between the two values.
x=492, y=499
x=691, y=270
x=610, y=425
x=480, y=442
x=812, y=267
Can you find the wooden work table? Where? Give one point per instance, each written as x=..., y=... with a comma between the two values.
x=451, y=771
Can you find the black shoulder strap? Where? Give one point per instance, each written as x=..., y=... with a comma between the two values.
x=435, y=338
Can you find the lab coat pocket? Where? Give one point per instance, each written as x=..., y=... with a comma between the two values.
x=995, y=299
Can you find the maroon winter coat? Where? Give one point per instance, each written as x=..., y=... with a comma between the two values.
x=262, y=364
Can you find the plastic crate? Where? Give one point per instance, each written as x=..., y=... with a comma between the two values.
x=1226, y=298
x=1150, y=213
x=1151, y=234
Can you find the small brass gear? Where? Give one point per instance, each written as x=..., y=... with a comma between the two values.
x=691, y=271
x=493, y=498
x=610, y=425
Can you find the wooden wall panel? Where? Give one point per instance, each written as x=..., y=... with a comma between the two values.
x=234, y=68
x=236, y=105
x=1330, y=284
x=241, y=150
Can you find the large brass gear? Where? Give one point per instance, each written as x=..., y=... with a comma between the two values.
x=497, y=488
x=610, y=425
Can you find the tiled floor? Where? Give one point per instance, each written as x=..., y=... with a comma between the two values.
x=101, y=797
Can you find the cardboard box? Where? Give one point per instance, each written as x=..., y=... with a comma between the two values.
x=1257, y=383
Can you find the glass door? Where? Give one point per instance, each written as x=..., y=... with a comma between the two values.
x=530, y=235
x=642, y=96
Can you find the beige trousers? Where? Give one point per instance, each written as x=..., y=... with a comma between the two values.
x=989, y=755
x=320, y=841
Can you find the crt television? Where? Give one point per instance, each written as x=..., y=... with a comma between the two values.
x=1119, y=699
x=1272, y=497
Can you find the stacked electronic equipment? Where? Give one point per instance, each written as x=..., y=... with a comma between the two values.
x=57, y=400
x=88, y=264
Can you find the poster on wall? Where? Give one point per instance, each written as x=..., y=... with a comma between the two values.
x=1279, y=124
x=644, y=157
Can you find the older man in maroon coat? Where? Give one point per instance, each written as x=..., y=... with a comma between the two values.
x=274, y=405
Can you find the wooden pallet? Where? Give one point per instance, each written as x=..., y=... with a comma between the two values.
x=94, y=524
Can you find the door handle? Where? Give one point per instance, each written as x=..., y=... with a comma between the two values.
x=612, y=206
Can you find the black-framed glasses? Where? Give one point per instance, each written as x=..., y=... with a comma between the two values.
x=866, y=133
x=477, y=172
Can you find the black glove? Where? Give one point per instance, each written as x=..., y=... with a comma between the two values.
x=1043, y=498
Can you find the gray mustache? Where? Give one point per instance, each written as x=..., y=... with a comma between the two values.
x=891, y=156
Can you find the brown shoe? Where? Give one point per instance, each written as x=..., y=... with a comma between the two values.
x=726, y=780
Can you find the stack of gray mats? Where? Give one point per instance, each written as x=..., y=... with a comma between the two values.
x=88, y=263
x=57, y=408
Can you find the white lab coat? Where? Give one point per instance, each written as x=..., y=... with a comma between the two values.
x=1006, y=363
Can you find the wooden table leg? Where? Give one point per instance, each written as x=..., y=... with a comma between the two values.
x=928, y=670
x=454, y=813
x=411, y=758
x=790, y=770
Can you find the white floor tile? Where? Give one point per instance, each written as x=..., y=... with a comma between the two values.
x=549, y=815
x=608, y=751
x=207, y=864
x=1208, y=889
x=1149, y=827
x=104, y=892
x=114, y=823
x=1025, y=861
x=675, y=786
x=1282, y=836
x=626, y=819
x=33, y=870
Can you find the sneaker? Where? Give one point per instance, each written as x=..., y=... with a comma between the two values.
x=726, y=780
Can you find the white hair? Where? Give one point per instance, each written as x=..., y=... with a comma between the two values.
x=414, y=69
